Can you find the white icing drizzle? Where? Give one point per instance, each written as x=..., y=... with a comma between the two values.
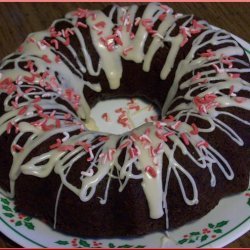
x=144, y=146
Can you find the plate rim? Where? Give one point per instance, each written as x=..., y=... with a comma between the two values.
x=20, y=237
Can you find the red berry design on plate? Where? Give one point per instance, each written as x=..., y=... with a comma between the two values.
x=206, y=231
x=204, y=234
x=18, y=218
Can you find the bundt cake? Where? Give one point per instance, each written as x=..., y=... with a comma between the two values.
x=158, y=176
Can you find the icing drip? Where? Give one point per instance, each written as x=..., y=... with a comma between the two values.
x=34, y=92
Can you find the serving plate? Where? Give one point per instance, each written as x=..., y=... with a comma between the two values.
x=225, y=223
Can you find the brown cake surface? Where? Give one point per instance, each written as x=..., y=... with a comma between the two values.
x=158, y=176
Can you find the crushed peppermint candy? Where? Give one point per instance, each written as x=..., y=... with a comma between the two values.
x=204, y=104
x=202, y=144
x=151, y=171
x=240, y=99
x=184, y=31
x=196, y=77
x=30, y=66
x=55, y=43
x=127, y=50
x=17, y=148
x=103, y=138
x=66, y=148
x=176, y=125
x=10, y=125
x=106, y=117
x=134, y=152
x=227, y=61
x=8, y=86
x=107, y=156
x=82, y=25
x=57, y=144
x=234, y=76
x=208, y=54
x=195, y=130
x=23, y=110
x=125, y=144
x=162, y=17
x=185, y=138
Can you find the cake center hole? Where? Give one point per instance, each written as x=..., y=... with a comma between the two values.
x=118, y=116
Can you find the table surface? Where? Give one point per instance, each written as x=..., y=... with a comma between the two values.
x=17, y=20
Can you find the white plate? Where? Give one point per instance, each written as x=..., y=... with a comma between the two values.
x=225, y=223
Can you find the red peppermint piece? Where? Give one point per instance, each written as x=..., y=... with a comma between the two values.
x=162, y=16
x=202, y=144
x=66, y=148
x=82, y=25
x=185, y=138
x=16, y=148
x=195, y=130
x=55, y=43
x=151, y=171
x=23, y=110
x=106, y=117
x=46, y=59
x=240, y=99
x=209, y=53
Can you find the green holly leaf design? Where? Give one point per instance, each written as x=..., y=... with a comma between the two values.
x=204, y=237
x=125, y=246
x=18, y=223
x=248, y=51
x=9, y=215
x=28, y=218
x=182, y=241
x=140, y=246
x=62, y=242
x=29, y=225
x=111, y=245
x=218, y=231
x=248, y=202
x=191, y=240
x=5, y=201
x=84, y=243
x=210, y=225
x=222, y=223
x=6, y=208
x=195, y=233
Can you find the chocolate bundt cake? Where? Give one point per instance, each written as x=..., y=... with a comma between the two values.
x=160, y=175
